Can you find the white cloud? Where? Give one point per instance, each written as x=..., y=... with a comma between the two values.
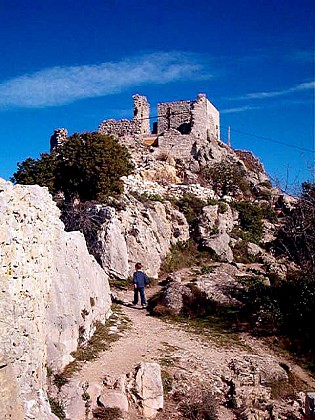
x=272, y=94
x=63, y=85
x=238, y=109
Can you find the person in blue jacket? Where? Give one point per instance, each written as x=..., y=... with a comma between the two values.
x=140, y=280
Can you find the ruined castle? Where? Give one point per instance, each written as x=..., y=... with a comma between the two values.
x=178, y=127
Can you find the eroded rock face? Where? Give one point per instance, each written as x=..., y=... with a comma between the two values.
x=142, y=232
x=50, y=287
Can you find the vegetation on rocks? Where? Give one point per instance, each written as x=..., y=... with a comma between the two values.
x=183, y=254
x=227, y=178
x=250, y=219
x=192, y=207
x=87, y=166
x=296, y=239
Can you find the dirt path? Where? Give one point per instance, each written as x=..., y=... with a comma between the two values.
x=151, y=339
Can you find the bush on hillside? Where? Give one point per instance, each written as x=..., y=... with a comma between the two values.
x=87, y=167
x=37, y=171
x=250, y=219
x=227, y=178
x=296, y=239
x=286, y=309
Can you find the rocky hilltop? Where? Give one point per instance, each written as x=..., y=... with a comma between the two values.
x=193, y=211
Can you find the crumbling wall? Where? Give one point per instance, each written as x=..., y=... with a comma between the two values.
x=117, y=128
x=176, y=115
x=58, y=138
x=141, y=114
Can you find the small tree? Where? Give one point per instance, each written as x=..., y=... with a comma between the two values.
x=297, y=237
x=88, y=167
x=37, y=171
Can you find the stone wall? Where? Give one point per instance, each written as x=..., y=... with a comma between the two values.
x=117, y=128
x=58, y=138
x=205, y=119
x=199, y=117
x=141, y=113
x=175, y=115
x=176, y=145
x=50, y=287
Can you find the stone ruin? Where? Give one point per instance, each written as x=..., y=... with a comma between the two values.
x=180, y=126
x=58, y=138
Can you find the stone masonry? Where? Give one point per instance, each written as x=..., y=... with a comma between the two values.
x=58, y=138
x=179, y=126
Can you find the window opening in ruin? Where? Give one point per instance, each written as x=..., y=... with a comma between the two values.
x=185, y=128
x=168, y=117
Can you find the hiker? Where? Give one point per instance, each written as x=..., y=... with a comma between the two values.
x=140, y=280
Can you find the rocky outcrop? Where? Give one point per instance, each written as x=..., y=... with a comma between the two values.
x=142, y=231
x=137, y=393
x=149, y=388
x=51, y=289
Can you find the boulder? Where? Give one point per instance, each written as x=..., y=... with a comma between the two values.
x=150, y=388
x=220, y=246
x=174, y=295
x=221, y=284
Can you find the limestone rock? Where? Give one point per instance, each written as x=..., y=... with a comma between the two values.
x=174, y=295
x=115, y=399
x=220, y=285
x=150, y=389
x=220, y=245
x=140, y=232
x=50, y=287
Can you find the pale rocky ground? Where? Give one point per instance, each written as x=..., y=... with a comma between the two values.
x=192, y=361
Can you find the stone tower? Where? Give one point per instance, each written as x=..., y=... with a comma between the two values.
x=58, y=138
x=141, y=114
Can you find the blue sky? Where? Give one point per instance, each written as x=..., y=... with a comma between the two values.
x=74, y=63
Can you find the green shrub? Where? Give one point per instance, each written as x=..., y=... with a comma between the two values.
x=227, y=178
x=88, y=166
x=60, y=380
x=264, y=195
x=268, y=213
x=223, y=207
x=296, y=238
x=183, y=254
x=266, y=184
x=240, y=252
x=250, y=219
x=107, y=413
x=199, y=407
x=212, y=202
x=192, y=207
x=167, y=381
x=57, y=408
x=40, y=171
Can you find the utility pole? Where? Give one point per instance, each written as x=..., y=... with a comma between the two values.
x=229, y=136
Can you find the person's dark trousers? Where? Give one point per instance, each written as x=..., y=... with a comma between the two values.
x=142, y=296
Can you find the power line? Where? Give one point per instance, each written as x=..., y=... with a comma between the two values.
x=238, y=131
x=271, y=140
